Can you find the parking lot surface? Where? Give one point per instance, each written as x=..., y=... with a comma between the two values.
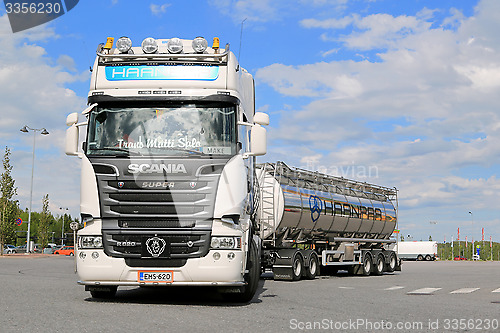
x=39, y=293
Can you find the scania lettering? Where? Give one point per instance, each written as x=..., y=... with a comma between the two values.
x=171, y=194
x=157, y=168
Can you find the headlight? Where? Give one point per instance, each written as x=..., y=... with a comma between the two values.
x=174, y=45
x=225, y=243
x=123, y=44
x=149, y=45
x=90, y=242
x=199, y=44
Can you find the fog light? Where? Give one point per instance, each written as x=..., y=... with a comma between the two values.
x=149, y=45
x=95, y=255
x=174, y=45
x=216, y=255
x=231, y=255
x=199, y=44
x=123, y=44
x=83, y=255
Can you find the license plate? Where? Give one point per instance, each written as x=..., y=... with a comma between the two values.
x=155, y=276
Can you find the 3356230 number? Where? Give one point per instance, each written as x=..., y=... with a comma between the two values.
x=33, y=8
x=471, y=324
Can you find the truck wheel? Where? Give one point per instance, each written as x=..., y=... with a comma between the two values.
x=379, y=265
x=251, y=278
x=297, y=266
x=428, y=258
x=420, y=257
x=313, y=266
x=108, y=292
x=391, y=266
x=367, y=264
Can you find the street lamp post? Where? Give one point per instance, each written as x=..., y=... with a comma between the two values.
x=62, y=231
x=43, y=131
x=434, y=223
x=472, y=217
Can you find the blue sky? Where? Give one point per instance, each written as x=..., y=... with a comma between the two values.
x=397, y=93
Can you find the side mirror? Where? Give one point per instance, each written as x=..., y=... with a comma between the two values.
x=72, y=134
x=72, y=119
x=261, y=118
x=258, y=140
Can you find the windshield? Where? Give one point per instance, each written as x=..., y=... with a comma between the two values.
x=179, y=130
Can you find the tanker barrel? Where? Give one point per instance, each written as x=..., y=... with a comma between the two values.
x=311, y=203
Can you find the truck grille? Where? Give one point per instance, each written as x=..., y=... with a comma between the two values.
x=169, y=199
x=177, y=207
x=152, y=223
x=193, y=244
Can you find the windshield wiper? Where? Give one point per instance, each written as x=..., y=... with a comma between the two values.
x=129, y=152
x=191, y=151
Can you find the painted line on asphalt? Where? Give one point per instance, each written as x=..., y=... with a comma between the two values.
x=424, y=291
x=346, y=287
x=496, y=290
x=394, y=288
x=464, y=291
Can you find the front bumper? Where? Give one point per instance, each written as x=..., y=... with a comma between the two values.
x=102, y=270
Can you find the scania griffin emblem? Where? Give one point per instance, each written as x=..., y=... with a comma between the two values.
x=155, y=246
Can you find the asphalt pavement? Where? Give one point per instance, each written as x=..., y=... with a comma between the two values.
x=39, y=293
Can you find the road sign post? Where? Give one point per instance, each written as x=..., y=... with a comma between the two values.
x=74, y=226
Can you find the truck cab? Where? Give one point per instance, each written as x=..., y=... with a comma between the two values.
x=167, y=172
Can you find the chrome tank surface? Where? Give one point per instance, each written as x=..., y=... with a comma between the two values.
x=299, y=203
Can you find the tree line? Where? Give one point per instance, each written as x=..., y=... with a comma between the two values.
x=448, y=252
x=45, y=227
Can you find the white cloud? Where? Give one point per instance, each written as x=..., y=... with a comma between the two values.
x=271, y=10
x=34, y=93
x=372, y=31
x=425, y=113
x=159, y=10
x=252, y=10
x=332, y=23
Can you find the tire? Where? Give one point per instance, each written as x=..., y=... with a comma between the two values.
x=391, y=266
x=313, y=266
x=378, y=269
x=105, y=294
x=71, y=254
x=251, y=278
x=420, y=257
x=297, y=266
x=428, y=258
x=366, y=267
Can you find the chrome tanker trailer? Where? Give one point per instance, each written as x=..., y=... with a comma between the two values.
x=312, y=222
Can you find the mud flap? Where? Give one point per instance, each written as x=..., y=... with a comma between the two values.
x=398, y=266
x=283, y=265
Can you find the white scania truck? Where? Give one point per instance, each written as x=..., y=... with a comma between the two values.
x=171, y=193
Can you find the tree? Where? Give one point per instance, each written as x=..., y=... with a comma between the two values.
x=8, y=206
x=430, y=238
x=45, y=219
